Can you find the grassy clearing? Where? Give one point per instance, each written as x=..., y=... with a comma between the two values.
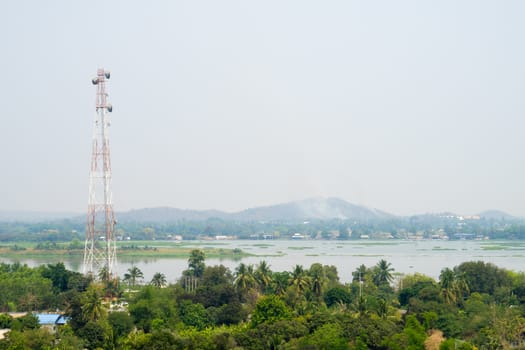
x=124, y=249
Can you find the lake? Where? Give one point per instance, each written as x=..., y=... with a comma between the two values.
x=426, y=257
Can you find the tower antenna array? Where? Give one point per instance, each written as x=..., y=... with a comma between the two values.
x=100, y=253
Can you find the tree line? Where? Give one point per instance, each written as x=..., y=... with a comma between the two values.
x=398, y=227
x=474, y=305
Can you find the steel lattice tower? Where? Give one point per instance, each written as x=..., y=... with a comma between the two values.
x=100, y=255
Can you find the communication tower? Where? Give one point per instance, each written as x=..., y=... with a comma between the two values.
x=100, y=253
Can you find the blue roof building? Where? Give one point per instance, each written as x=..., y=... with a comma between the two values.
x=51, y=321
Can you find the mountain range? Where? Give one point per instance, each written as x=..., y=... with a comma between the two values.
x=308, y=209
x=302, y=210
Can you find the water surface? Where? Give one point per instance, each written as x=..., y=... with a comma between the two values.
x=426, y=257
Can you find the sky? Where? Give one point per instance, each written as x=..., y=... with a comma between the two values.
x=406, y=106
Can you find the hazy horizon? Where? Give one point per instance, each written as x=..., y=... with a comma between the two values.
x=59, y=214
x=408, y=107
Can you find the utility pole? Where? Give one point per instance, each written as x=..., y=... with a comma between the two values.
x=100, y=254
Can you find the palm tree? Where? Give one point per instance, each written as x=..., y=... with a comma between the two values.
x=360, y=305
x=453, y=285
x=133, y=274
x=244, y=277
x=92, y=307
x=263, y=275
x=280, y=282
x=112, y=288
x=382, y=308
x=317, y=279
x=461, y=283
x=159, y=280
x=299, y=280
x=103, y=273
x=196, y=263
x=446, y=281
x=359, y=274
x=383, y=273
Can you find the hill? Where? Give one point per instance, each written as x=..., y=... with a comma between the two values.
x=167, y=214
x=308, y=209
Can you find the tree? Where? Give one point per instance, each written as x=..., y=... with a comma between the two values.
x=28, y=321
x=383, y=273
x=453, y=285
x=193, y=315
x=158, y=280
x=327, y=337
x=280, y=281
x=270, y=309
x=412, y=338
x=112, y=288
x=337, y=295
x=418, y=286
x=318, y=279
x=196, y=263
x=455, y=344
x=446, y=282
x=483, y=277
x=151, y=304
x=58, y=275
x=5, y=321
x=103, y=274
x=332, y=276
x=299, y=280
x=216, y=287
x=96, y=335
x=121, y=323
x=359, y=274
x=133, y=274
x=263, y=275
x=38, y=339
x=244, y=277
x=92, y=306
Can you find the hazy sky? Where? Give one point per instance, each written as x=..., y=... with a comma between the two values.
x=406, y=106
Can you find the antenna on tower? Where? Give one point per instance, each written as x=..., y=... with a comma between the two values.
x=100, y=253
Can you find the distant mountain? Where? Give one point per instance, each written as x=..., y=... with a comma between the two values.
x=495, y=214
x=167, y=214
x=308, y=209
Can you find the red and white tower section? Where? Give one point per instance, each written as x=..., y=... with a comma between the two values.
x=100, y=253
